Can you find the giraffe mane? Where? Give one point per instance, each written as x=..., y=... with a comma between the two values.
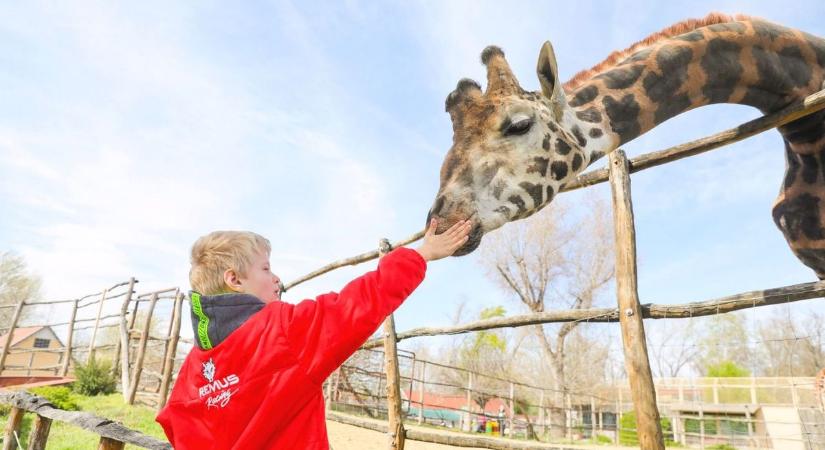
x=673, y=30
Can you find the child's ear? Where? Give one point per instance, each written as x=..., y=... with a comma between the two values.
x=232, y=280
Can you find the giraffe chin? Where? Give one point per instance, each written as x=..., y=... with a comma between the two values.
x=473, y=242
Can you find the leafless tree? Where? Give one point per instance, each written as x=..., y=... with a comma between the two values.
x=672, y=346
x=554, y=260
x=792, y=344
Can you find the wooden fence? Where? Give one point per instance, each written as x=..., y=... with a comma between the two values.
x=129, y=351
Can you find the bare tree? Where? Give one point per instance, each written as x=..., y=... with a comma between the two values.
x=672, y=346
x=16, y=284
x=792, y=344
x=548, y=262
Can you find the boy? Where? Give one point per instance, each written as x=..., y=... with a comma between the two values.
x=253, y=381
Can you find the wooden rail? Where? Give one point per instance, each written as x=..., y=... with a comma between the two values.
x=752, y=299
x=112, y=435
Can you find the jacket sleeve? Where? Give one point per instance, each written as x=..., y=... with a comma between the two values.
x=327, y=331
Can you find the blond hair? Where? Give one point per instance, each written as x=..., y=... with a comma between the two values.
x=218, y=251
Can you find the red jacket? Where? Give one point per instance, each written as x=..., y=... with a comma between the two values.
x=259, y=385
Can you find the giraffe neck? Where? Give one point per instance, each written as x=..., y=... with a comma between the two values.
x=754, y=63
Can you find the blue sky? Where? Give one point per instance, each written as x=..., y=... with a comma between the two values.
x=128, y=130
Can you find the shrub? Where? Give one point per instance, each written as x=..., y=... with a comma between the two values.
x=628, y=434
x=59, y=396
x=602, y=439
x=94, y=378
x=721, y=447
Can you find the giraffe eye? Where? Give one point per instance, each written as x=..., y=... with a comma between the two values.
x=518, y=127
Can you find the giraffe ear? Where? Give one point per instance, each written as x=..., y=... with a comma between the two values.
x=549, y=78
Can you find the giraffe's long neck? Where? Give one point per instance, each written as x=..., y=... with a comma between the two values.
x=754, y=63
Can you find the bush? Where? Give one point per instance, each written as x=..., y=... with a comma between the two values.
x=602, y=439
x=94, y=378
x=59, y=396
x=721, y=447
x=628, y=434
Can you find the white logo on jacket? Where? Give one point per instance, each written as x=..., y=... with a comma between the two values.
x=220, y=385
x=208, y=370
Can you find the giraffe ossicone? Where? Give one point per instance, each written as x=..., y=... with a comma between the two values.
x=513, y=150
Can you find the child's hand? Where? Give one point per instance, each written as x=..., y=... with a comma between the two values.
x=437, y=246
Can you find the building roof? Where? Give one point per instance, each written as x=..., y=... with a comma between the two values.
x=20, y=334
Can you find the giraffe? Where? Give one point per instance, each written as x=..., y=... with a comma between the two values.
x=513, y=150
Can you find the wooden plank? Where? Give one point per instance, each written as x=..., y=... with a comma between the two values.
x=171, y=350
x=135, y=381
x=395, y=415
x=14, y=318
x=67, y=357
x=12, y=428
x=637, y=363
x=40, y=433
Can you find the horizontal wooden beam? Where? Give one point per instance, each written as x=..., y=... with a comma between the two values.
x=752, y=299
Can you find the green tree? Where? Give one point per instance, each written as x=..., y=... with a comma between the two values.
x=727, y=369
x=483, y=352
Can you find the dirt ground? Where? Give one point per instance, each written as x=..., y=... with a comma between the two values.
x=350, y=437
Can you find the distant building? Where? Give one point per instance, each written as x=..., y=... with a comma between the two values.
x=32, y=351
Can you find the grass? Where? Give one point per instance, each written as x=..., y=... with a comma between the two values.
x=63, y=436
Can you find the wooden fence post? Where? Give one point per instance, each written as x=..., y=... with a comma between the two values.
x=69, y=339
x=541, y=413
x=40, y=433
x=14, y=318
x=421, y=392
x=97, y=324
x=124, y=308
x=619, y=407
x=469, y=401
x=396, y=431
x=12, y=427
x=512, y=408
x=125, y=334
x=637, y=362
x=592, y=417
x=169, y=333
x=135, y=381
x=171, y=350
x=110, y=444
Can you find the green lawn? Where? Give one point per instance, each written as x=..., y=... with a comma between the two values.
x=68, y=437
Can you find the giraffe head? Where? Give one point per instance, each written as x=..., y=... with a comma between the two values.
x=512, y=149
